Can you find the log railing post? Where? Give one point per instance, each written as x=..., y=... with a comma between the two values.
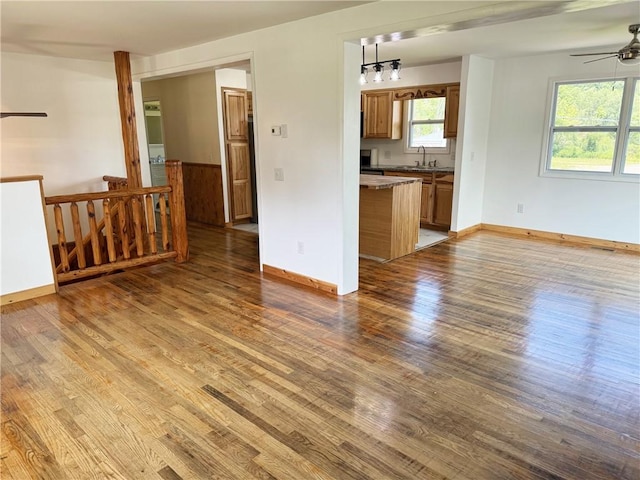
x=177, y=211
x=128, y=119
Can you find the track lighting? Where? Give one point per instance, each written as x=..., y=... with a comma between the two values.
x=378, y=68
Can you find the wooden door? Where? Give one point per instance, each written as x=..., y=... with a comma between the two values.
x=238, y=158
x=443, y=199
x=236, y=136
x=235, y=118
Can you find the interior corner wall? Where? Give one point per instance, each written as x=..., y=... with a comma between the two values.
x=584, y=207
x=189, y=120
x=473, y=135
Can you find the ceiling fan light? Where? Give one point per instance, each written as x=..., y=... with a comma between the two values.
x=629, y=58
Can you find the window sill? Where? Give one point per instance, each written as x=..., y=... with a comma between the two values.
x=596, y=176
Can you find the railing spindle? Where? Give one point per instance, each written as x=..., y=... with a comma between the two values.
x=62, y=241
x=93, y=229
x=124, y=234
x=108, y=227
x=163, y=221
x=77, y=235
x=137, y=225
x=151, y=223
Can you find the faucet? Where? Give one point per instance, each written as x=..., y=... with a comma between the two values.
x=424, y=154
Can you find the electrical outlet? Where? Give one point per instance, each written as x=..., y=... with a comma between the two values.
x=521, y=208
x=300, y=248
x=279, y=174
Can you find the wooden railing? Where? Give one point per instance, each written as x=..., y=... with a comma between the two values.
x=127, y=234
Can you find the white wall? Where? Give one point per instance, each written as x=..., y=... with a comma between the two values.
x=81, y=139
x=25, y=261
x=391, y=152
x=473, y=133
x=592, y=208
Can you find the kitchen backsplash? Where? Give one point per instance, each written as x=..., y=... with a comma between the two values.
x=391, y=152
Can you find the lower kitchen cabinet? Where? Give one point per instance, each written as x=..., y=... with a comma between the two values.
x=442, y=204
x=426, y=204
x=436, y=200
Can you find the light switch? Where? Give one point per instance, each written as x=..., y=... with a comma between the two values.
x=275, y=131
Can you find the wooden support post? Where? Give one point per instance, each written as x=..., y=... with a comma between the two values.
x=177, y=210
x=128, y=119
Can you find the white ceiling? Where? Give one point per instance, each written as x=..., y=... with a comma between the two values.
x=95, y=29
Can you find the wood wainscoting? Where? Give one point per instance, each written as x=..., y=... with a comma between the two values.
x=204, y=201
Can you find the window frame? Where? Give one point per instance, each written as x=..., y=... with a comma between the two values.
x=409, y=122
x=622, y=130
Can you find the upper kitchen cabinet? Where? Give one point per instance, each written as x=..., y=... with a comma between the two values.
x=382, y=116
x=451, y=111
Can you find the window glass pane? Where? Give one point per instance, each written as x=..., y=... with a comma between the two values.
x=632, y=161
x=431, y=135
x=589, y=104
x=635, y=108
x=580, y=151
x=428, y=109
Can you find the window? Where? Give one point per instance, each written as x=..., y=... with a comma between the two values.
x=425, y=125
x=594, y=128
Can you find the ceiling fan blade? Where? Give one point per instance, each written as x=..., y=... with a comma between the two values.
x=587, y=54
x=22, y=114
x=603, y=58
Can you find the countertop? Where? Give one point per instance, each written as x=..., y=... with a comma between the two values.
x=378, y=182
x=408, y=168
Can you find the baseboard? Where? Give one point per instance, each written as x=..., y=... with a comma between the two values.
x=465, y=231
x=301, y=279
x=576, y=239
x=27, y=294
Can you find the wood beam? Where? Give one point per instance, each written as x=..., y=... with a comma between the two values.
x=128, y=119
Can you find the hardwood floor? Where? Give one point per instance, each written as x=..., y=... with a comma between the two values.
x=487, y=357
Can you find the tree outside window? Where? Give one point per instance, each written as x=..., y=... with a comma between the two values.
x=595, y=128
x=426, y=124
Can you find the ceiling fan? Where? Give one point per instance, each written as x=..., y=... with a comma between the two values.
x=627, y=55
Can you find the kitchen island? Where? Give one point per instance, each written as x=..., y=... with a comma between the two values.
x=389, y=215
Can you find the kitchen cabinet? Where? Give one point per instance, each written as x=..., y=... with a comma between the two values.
x=451, y=108
x=442, y=204
x=389, y=216
x=436, y=200
x=382, y=116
